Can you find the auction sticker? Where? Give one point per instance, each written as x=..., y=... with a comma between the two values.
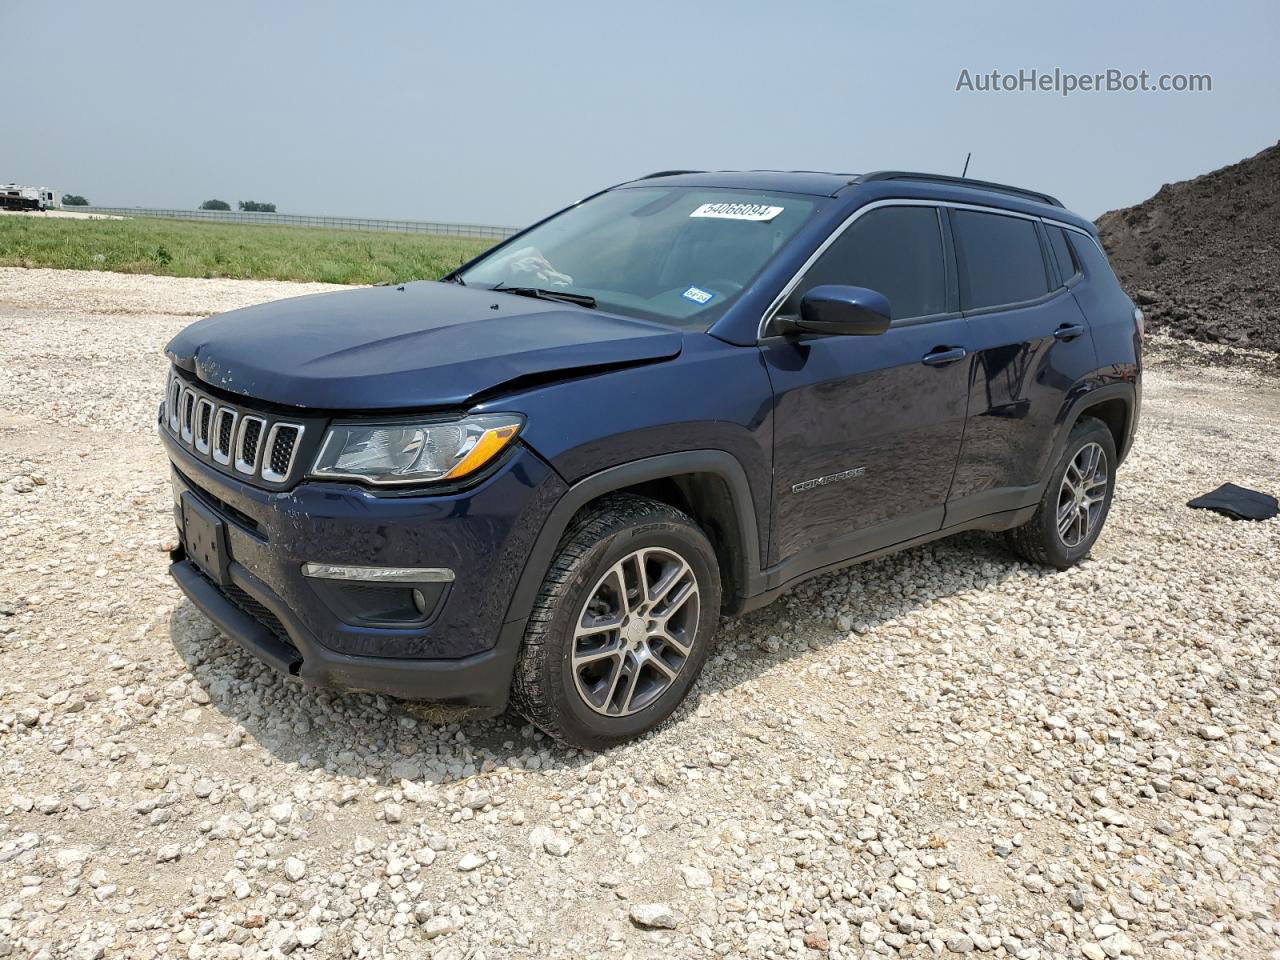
x=698, y=295
x=737, y=211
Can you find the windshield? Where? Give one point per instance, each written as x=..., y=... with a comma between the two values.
x=680, y=255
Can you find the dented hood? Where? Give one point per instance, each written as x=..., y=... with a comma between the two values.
x=425, y=344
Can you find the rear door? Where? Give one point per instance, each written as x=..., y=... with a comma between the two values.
x=1032, y=350
x=867, y=429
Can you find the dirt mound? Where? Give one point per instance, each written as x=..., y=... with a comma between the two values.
x=1202, y=256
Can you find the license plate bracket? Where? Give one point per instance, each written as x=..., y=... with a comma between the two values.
x=204, y=537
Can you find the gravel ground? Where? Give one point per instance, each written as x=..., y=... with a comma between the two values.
x=946, y=751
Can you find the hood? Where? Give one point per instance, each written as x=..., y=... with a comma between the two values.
x=425, y=344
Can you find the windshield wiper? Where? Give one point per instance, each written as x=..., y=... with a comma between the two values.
x=540, y=293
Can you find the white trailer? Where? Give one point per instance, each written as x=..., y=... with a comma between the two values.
x=14, y=196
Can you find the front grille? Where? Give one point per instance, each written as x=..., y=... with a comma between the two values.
x=248, y=443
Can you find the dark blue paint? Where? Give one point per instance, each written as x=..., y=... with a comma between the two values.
x=423, y=345
x=954, y=420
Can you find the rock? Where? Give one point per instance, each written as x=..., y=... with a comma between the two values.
x=168, y=853
x=695, y=878
x=438, y=927
x=654, y=916
x=960, y=943
x=557, y=845
x=469, y=862
x=294, y=869
x=1209, y=731
x=310, y=936
x=870, y=932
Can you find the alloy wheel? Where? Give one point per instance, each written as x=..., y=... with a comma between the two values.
x=1082, y=495
x=635, y=632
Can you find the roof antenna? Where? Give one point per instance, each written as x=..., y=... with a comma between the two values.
x=966, y=164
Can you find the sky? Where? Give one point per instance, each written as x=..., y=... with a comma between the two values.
x=500, y=112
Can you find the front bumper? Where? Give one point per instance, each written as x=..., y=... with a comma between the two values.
x=481, y=681
x=465, y=651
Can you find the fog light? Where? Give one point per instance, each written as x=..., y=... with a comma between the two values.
x=333, y=571
x=419, y=602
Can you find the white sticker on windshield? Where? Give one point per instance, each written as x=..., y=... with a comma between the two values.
x=737, y=211
x=698, y=295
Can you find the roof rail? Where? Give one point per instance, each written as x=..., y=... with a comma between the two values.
x=667, y=173
x=959, y=182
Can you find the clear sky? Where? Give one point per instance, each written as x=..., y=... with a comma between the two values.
x=498, y=112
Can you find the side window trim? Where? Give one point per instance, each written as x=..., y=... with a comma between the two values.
x=1047, y=259
x=946, y=205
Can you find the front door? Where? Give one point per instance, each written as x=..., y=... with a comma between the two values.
x=867, y=429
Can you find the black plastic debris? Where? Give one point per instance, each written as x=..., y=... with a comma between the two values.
x=1238, y=503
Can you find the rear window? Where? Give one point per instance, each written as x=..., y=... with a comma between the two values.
x=1061, y=253
x=999, y=259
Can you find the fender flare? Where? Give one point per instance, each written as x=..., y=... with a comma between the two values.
x=1073, y=411
x=719, y=463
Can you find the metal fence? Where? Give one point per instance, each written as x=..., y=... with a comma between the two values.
x=303, y=220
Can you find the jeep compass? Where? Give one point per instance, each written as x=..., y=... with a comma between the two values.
x=540, y=481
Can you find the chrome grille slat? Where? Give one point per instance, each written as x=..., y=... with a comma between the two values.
x=224, y=434
x=186, y=410
x=173, y=394
x=280, y=449
x=249, y=444
x=203, y=424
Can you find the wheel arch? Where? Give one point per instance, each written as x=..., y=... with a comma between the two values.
x=710, y=485
x=1114, y=404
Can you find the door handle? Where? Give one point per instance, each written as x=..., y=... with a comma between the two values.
x=1068, y=331
x=942, y=356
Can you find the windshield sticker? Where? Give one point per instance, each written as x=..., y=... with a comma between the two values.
x=737, y=211
x=698, y=295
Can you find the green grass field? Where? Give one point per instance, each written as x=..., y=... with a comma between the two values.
x=178, y=248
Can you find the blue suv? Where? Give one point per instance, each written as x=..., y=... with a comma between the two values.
x=541, y=480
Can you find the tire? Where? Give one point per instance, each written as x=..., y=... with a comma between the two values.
x=576, y=665
x=1040, y=539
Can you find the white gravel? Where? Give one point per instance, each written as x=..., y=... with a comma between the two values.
x=945, y=751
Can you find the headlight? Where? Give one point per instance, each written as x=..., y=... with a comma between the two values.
x=396, y=453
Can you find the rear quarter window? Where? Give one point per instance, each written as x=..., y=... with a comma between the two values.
x=1061, y=253
x=999, y=259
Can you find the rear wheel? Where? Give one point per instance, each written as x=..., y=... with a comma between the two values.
x=1076, y=500
x=622, y=626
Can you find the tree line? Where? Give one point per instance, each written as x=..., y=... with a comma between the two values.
x=247, y=206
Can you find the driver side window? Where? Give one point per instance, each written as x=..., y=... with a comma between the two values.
x=895, y=251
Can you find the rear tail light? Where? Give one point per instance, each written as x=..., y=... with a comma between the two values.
x=1140, y=321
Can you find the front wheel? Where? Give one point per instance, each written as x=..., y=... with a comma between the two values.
x=622, y=626
x=1076, y=500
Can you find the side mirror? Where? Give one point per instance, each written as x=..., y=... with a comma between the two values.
x=843, y=311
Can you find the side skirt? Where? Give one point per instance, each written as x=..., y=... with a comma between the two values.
x=1004, y=520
